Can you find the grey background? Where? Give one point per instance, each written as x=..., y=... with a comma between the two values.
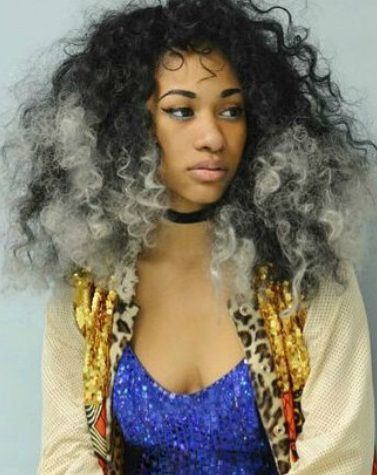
x=346, y=33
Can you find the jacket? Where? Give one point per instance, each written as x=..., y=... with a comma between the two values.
x=311, y=373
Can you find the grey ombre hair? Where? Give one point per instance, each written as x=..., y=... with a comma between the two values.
x=80, y=226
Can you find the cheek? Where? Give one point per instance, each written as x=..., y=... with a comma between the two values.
x=240, y=137
x=174, y=177
x=237, y=144
x=173, y=153
x=235, y=135
x=169, y=169
x=173, y=142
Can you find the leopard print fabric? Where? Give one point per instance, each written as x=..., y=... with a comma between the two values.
x=252, y=333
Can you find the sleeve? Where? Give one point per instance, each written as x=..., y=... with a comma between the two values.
x=338, y=399
x=66, y=444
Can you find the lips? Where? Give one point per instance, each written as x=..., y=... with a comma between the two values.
x=207, y=175
x=207, y=168
x=209, y=164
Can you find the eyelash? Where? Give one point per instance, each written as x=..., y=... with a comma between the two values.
x=170, y=111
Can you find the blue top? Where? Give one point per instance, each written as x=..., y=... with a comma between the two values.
x=216, y=430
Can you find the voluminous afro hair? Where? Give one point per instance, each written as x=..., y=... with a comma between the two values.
x=81, y=162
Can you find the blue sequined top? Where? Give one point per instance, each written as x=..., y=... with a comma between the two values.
x=216, y=430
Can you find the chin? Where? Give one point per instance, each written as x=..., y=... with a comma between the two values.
x=206, y=200
x=198, y=196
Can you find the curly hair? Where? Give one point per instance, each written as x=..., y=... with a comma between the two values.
x=81, y=162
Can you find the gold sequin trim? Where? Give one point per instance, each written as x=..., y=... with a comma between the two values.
x=285, y=334
x=93, y=308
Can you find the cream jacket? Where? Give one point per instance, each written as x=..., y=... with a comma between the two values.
x=337, y=400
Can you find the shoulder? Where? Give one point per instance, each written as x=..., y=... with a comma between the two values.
x=59, y=318
x=337, y=316
x=69, y=302
x=333, y=297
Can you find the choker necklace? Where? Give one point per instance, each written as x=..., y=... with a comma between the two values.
x=193, y=216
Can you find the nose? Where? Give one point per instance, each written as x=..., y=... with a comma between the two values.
x=209, y=134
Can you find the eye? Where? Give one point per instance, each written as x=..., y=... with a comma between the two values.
x=173, y=110
x=238, y=110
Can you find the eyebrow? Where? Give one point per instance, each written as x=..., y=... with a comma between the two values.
x=193, y=95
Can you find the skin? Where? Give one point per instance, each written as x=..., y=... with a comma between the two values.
x=174, y=291
x=208, y=126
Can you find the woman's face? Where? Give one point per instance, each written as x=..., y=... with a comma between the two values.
x=197, y=118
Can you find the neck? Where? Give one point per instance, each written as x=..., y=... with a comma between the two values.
x=181, y=242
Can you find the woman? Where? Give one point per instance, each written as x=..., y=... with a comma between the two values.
x=195, y=192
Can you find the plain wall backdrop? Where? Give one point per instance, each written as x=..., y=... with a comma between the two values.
x=344, y=30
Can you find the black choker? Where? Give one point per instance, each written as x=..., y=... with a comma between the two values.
x=193, y=216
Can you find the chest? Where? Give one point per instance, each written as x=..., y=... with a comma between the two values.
x=183, y=334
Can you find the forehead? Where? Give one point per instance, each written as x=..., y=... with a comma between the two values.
x=194, y=69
